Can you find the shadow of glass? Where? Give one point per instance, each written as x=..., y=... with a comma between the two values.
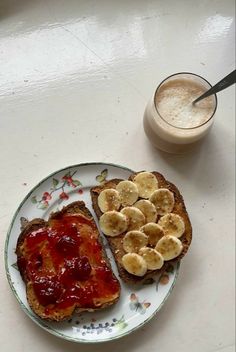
x=201, y=167
x=11, y=7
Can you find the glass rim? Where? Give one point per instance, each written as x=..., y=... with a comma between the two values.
x=192, y=74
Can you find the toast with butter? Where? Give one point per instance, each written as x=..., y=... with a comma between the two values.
x=145, y=222
x=64, y=265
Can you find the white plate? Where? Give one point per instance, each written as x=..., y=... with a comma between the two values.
x=137, y=304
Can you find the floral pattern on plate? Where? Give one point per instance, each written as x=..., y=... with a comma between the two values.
x=99, y=328
x=61, y=187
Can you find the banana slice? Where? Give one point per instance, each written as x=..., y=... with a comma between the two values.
x=134, y=264
x=148, y=209
x=134, y=240
x=153, y=258
x=154, y=232
x=109, y=199
x=128, y=192
x=113, y=223
x=163, y=200
x=170, y=247
x=172, y=224
x=134, y=216
x=146, y=183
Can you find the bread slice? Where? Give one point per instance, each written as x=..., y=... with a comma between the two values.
x=64, y=265
x=115, y=243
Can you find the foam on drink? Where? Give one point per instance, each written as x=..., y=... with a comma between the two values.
x=174, y=103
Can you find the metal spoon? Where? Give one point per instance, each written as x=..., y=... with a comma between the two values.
x=224, y=83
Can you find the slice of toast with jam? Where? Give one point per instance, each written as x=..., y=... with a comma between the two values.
x=64, y=265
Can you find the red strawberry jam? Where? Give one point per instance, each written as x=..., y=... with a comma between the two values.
x=79, y=268
x=47, y=289
x=66, y=244
x=65, y=264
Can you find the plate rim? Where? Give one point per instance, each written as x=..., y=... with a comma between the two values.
x=39, y=321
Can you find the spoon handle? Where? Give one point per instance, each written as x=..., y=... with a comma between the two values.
x=224, y=83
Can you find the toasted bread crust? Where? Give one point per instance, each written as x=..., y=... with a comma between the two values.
x=35, y=224
x=115, y=243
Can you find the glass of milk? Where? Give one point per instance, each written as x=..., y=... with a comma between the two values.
x=171, y=122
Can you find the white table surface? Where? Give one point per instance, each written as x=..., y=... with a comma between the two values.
x=75, y=77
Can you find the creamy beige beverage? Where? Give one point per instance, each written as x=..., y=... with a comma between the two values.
x=171, y=121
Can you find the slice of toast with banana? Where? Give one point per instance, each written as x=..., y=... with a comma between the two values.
x=145, y=222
